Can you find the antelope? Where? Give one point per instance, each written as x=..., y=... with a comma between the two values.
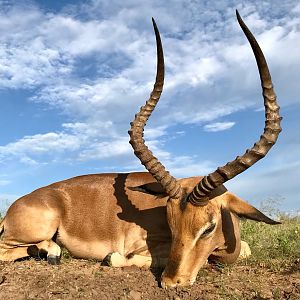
x=144, y=218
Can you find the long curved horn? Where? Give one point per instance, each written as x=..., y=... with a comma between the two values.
x=158, y=171
x=200, y=194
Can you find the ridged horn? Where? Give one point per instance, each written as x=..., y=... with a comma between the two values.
x=158, y=171
x=200, y=194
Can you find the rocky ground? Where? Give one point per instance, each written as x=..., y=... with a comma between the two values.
x=81, y=279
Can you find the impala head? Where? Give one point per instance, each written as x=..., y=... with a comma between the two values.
x=201, y=213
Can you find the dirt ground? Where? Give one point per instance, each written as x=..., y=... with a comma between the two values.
x=81, y=279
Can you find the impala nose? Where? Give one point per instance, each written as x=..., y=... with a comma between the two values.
x=167, y=282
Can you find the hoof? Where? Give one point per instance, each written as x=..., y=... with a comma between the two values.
x=107, y=260
x=53, y=260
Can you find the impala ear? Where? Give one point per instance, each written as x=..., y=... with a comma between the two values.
x=152, y=188
x=245, y=210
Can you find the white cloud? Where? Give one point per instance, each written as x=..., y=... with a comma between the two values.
x=40, y=144
x=218, y=126
x=296, y=9
x=85, y=37
x=192, y=71
x=26, y=60
x=43, y=48
x=91, y=130
x=154, y=133
x=102, y=150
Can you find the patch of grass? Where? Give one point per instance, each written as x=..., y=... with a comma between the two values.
x=65, y=255
x=273, y=242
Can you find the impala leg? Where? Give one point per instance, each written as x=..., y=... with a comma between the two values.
x=140, y=261
x=47, y=249
x=147, y=261
x=10, y=253
x=245, y=250
x=115, y=259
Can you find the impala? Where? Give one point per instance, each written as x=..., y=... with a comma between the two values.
x=148, y=218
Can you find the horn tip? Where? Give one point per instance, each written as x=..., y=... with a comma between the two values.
x=238, y=16
x=153, y=22
x=155, y=27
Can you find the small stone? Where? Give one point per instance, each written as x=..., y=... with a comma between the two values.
x=266, y=294
x=289, y=289
x=135, y=295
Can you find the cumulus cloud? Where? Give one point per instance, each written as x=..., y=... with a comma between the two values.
x=26, y=61
x=41, y=143
x=29, y=149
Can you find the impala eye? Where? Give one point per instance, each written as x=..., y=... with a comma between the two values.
x=208, y=230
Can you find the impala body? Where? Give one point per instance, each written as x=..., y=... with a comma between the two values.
x=91, y=215
x=143, y=219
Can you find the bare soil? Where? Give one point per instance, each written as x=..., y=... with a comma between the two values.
x=82, y=279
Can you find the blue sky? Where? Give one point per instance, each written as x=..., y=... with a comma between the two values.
x=74, y=73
